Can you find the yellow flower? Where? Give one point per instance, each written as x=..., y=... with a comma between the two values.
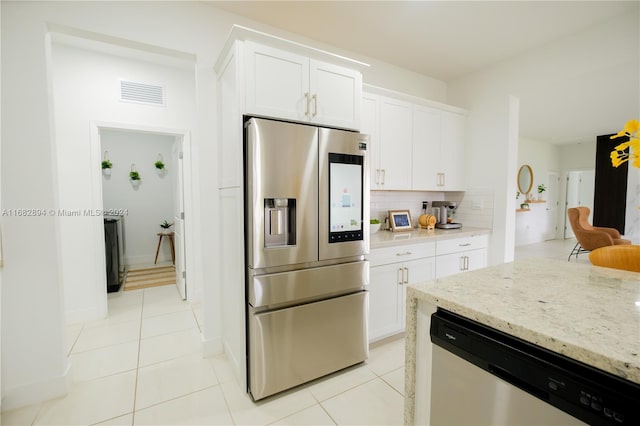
x=630, y=129
x=618, y=155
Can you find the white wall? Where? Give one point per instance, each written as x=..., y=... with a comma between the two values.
x=543, y=157
x=34, y=365
x=147, y=205
x=578, y=156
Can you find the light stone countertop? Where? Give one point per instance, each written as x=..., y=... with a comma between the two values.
x=588, y=313
x=391, y=239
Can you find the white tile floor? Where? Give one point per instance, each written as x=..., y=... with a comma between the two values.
x=552, y=249
x=143, y=366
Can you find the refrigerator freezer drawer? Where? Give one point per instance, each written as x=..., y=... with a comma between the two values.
x=295, y=287
x=291, y=346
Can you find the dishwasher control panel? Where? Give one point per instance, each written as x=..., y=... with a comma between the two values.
x=588, y=394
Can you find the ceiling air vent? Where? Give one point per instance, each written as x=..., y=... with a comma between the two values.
x=142, y=93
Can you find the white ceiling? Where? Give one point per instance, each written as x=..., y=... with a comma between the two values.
x=441, y=39
x=445, y=40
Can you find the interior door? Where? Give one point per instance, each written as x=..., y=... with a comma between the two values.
x=178, y=218
x=552, y=206
x=580, y=188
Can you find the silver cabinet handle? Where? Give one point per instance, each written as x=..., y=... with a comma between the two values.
x=400, y=276
x=306, y=96
x=384, y=175
x=464, y=245
x=464, y=263
x=315, y=105
x=406, y=253
x=444, y=182
x=406, y=280
x=377, y=176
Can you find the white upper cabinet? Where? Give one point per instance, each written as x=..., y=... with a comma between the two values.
x=277, y=82
x=438, y=149
x=394, y=171
x=290, y=86
x=452, y=151
x=426, y=148
x=421, y=143
x=370, y=125
x=335, y=95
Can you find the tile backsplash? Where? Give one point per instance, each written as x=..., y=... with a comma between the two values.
x=475, y=206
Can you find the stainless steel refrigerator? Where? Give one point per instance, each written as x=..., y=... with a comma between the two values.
x=306, y=216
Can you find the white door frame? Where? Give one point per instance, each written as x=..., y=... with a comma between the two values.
x=97, y=201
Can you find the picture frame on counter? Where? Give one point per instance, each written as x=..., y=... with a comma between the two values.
x=400, y=220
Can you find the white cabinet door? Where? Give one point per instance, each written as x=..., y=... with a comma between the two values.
x=336, y=94
x=417, y=271
x=277, y=83
x=286, y=85
x=387, y=294
x=385, y=300
x=452, y=154
x=455, y=263
x=420, y=270
x=426, y=148
x=449, y=264
x=370, y=126
x=395, y=144
x=476, y=259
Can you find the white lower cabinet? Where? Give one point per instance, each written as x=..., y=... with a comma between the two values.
x=392, y=269
x=461, y=255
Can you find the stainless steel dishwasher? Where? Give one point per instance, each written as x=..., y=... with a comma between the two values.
x=482, y=376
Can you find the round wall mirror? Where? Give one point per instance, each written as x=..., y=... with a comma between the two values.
x=525, y=179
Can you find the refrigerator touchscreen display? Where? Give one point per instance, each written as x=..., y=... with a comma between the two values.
x=345, y=197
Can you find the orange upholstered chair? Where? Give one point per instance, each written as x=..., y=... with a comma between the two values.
x=625, y=257
x=590, y=237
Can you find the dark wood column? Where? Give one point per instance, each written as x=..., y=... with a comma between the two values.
x=610, y=197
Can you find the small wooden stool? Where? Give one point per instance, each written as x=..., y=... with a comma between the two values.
x=173, y=249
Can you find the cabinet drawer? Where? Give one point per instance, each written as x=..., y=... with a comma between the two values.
x=404, y=253
x=457, y=245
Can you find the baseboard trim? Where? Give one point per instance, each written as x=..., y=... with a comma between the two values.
x=212, y=347
x=239, y=370
x=35, y=393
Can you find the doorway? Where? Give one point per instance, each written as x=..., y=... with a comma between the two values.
x=149, y=212
x=579, y=191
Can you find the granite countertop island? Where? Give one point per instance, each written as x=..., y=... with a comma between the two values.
x=588, y=313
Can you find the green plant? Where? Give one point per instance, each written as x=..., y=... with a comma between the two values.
x=541, y=188
x=166, y=225
x=374, y=221
x=517, y=194
x=159, y=165
x=106, y=164
x=133, y=175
